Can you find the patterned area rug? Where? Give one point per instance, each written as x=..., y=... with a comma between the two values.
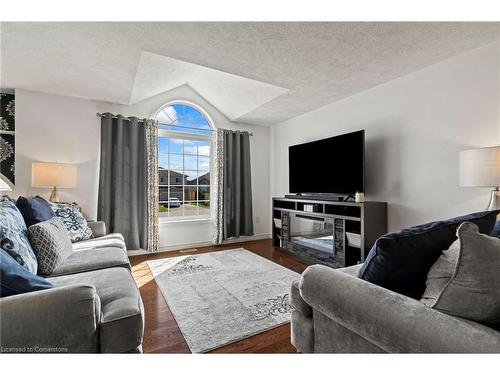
x=222, y=297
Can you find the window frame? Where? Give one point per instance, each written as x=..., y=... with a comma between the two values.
x=194, y=137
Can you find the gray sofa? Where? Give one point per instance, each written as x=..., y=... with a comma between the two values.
x=95, y=305
x=336, y=312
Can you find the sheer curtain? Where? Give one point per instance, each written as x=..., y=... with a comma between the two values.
x=233, y=196
x=128, y=180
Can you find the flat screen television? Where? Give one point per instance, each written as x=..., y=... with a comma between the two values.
x=332, y=165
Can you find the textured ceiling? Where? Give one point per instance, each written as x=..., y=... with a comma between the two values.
x=261, y=73
x=233, y=95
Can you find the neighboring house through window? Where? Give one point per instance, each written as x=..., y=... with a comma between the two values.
x=185, y=139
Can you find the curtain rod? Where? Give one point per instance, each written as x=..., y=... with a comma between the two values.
x=99, y=114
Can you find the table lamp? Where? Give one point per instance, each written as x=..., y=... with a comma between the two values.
x=4, y=186
x=480, y=167
x=53, y=175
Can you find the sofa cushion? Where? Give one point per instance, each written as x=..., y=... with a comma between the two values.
x=34, y=210
x=400, y=261
x=14, y=235
x=465, y=281
x=122, y=324
x=71, y=215
x=51, y=243
x=92, y=259
x=15, y=279
x=109, y=240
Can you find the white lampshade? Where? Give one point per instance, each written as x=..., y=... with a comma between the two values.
x=48, y=175
x=4, y=186
x=480, y=167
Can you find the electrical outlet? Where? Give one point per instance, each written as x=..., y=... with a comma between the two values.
x=257, y=219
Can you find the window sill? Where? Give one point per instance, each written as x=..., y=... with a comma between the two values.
x=177, y=220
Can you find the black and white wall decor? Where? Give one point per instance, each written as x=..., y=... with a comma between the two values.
x=7, y=138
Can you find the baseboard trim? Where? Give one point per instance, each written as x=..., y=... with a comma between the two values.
x=182, y=246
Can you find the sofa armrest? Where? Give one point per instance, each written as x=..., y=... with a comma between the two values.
x=393, y=322
x=53, y=318
x=297, y=302
x=98, y=228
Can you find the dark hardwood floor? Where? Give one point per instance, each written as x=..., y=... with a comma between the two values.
x=161, y=333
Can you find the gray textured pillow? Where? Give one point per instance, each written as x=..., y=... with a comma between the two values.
x=51, y=243
x=465, y=280
x=440, y=274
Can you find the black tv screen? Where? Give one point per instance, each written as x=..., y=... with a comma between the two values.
x=332, y=165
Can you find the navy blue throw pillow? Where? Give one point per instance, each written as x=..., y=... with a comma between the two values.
x=496, y=230
x=15, y=279
x=400, y=261
x=34, y=210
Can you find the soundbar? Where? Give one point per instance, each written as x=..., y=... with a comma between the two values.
x=317, y=197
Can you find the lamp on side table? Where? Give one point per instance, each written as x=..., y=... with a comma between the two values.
x=4, y=186
x=53, y=175
x=480, y=167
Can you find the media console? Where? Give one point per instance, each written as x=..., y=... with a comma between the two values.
x=337, y=234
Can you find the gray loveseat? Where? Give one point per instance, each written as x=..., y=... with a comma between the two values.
x=336, y=312
x=95, y=305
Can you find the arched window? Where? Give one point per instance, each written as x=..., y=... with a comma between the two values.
x=185, y=138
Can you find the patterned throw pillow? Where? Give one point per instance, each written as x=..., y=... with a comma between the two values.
x=52, y=244
x=72, y=217
x=14, y=235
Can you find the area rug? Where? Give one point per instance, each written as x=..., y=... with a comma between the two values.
x=221, y=297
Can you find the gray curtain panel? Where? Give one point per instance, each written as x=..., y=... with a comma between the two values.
x=233, y=216
x=125, y=173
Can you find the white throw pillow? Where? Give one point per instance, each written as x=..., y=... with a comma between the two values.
x=72, y=217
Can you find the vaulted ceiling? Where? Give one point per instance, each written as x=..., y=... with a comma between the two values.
x=260, y=73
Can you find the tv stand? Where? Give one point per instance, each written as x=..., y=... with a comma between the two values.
x=327, y=231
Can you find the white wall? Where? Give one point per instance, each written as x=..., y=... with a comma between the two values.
x=175, y=235
x=61, y=129
x=415, y=127
x=58, y=128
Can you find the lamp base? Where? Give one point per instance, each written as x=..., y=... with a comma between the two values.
x=54, y=196
x=494, y=201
